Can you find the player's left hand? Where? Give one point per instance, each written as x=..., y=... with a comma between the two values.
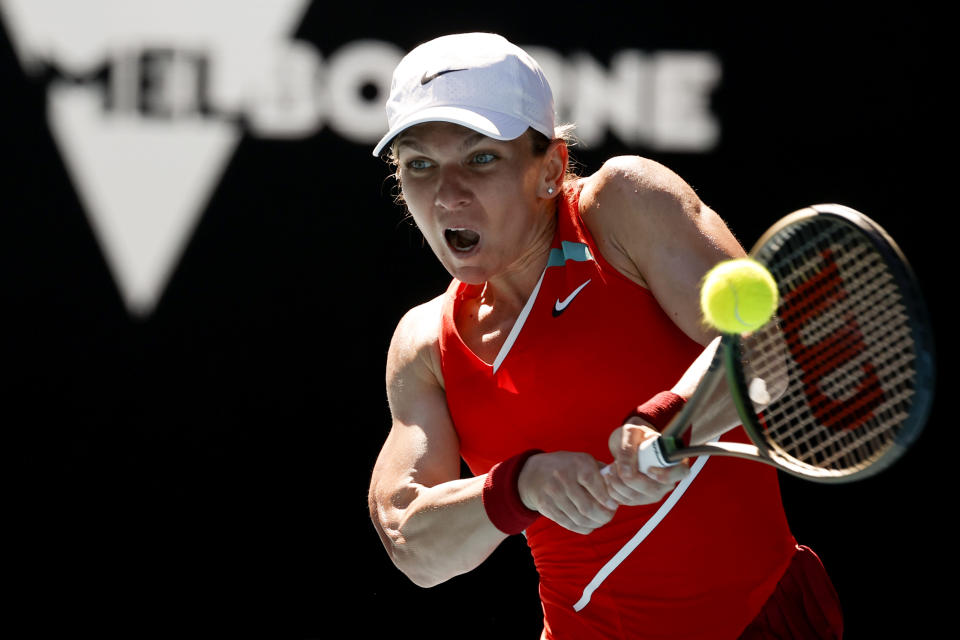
x=626, y=484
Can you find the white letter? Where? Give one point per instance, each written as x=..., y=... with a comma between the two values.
x=284, y=100
x=358, y=65
x=682, y=85
x=615, y=99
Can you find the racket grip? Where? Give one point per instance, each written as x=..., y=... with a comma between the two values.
x=650, y=454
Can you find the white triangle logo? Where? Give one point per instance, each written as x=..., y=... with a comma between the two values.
x=143, y=187
x=145, y=178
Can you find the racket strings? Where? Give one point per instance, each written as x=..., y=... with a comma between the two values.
x=842, y=348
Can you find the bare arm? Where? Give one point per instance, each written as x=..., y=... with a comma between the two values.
x=431, y=521
x=654, y=229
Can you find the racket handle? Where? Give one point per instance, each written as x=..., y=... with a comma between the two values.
x=650, y=454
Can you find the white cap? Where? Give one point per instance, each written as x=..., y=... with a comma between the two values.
x=478, y=80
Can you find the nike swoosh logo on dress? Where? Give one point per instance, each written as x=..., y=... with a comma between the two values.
x=561, y=305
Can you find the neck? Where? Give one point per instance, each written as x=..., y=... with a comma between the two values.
x=512, y=288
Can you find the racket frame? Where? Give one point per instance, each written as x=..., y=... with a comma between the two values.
x=727, y=365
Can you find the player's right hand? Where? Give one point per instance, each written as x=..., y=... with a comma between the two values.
x=626, y=483
x=567, y=487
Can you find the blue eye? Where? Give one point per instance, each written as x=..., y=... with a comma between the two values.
x=484, y=158
x=418, y=163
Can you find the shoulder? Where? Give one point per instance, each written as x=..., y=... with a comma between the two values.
x=654, y=229
x=631, y=205
x=415, y=346
x=631, y=184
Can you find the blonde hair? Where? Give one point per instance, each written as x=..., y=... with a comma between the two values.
x=564, y=134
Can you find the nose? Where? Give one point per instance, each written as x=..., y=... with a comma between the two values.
x=452, y=192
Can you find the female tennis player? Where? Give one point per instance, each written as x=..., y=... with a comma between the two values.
x=569, y=333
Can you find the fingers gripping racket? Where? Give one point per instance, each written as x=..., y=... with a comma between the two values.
x=840, y=382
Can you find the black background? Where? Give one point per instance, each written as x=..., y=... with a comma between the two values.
x=205, y=468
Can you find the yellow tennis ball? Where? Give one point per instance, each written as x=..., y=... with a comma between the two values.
x=738, y=296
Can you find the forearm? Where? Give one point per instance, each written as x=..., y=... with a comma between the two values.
x=442, y=532
x=431, y=521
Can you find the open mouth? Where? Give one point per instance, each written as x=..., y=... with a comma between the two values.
x=461, y=239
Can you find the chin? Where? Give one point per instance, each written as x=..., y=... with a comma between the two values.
x=469, y=275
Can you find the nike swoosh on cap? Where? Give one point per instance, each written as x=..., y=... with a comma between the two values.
x=429, y=77
x=561, y=305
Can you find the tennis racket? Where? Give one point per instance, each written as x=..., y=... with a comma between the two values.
x=840, y=382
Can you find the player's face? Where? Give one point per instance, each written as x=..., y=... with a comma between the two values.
x=475, y=199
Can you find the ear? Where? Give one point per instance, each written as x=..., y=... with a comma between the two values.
x=553, y=169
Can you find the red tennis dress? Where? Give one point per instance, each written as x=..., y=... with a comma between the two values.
x=590, y=346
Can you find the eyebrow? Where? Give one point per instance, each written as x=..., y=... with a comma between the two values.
x=473, y=139
x=469, y=141
x=410, y=142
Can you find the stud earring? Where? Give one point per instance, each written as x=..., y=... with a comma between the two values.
x=550, y=190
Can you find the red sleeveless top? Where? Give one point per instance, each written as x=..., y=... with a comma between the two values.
x=590, y=346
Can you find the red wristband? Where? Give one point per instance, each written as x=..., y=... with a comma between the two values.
x=501, y=498
x=660, y=409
